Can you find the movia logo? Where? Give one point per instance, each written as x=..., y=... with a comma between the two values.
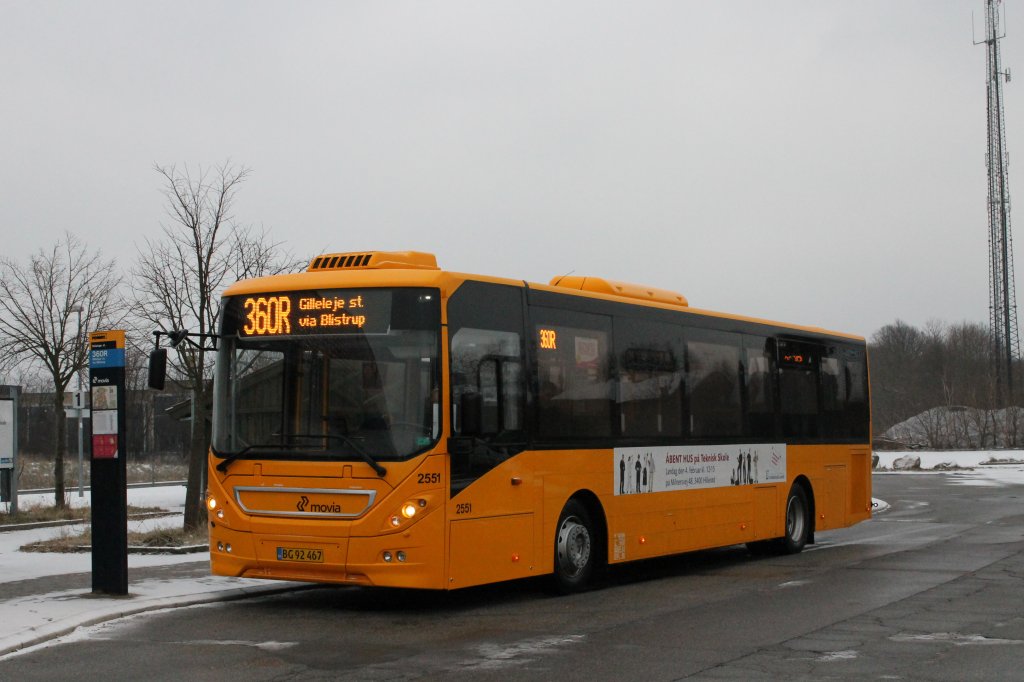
x=303, y=504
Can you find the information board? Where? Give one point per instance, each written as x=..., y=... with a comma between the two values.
x=106, y=383
x=6, y=434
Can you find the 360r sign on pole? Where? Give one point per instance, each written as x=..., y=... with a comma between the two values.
x=108, y=464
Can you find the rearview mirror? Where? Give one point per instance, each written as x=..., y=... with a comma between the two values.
x=157, y=368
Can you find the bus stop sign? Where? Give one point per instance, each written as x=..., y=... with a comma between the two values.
x=108, y=465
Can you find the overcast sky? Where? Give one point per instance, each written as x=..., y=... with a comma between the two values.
x=813, y=162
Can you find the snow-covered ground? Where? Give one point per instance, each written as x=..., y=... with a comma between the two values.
x=16, y=565
x=169, y=497
x=973, y=464
x=38, y=619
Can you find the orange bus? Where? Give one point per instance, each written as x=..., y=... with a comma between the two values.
x=380, y=421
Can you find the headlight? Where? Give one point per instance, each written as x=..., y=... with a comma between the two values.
x=408, y=512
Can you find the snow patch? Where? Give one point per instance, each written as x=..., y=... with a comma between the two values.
x=953, y=638
x=494, y=656
x=831, y=656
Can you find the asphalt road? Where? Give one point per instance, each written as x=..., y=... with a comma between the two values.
x=931, y=589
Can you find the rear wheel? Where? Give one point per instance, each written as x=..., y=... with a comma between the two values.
x=798, y=527
x=798, y=521
x=575, y=548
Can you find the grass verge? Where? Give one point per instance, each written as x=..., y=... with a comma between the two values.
x=79, y=540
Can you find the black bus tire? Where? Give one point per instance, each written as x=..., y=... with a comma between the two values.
x=575, y=548
x=798, y=521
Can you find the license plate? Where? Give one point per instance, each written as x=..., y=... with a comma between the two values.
x=300, y=554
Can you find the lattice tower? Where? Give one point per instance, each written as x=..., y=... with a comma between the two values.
x=1003, y=330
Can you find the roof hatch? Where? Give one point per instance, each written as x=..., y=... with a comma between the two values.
x=599, y=285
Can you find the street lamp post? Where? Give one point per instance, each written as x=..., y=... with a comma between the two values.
x=80, y=403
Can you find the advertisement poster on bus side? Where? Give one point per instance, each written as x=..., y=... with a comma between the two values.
x=692, y=467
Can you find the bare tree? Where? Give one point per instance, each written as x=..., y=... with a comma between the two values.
x=178, y=280
x=896, y=352
x=940, y=382
x=41, y=302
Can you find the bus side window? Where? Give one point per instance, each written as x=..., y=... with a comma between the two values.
x=486, y=371
x=833, y=396
x=844, y=392
x=857, y=413
x=573, y=368
x=760, y=386
x=485, y=323
x=798, y=388
x=713, y=385
x=649, y=379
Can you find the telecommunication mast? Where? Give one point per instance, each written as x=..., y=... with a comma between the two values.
x=1003, y=330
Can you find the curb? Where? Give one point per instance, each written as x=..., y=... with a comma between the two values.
x=142, y=549
x=9, y=527
x=50, y=631
x=147, y=549
x=71, y=489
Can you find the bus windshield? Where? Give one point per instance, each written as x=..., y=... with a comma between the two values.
x=292, y=382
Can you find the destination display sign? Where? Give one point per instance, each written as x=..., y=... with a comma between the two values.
x=294, y=313
x=796, y=354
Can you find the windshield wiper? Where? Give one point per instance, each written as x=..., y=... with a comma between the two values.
x=363, y=454
x=232, y=456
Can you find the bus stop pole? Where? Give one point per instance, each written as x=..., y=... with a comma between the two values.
x=108, y=464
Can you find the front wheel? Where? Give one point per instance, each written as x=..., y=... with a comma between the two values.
x=575, y=548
